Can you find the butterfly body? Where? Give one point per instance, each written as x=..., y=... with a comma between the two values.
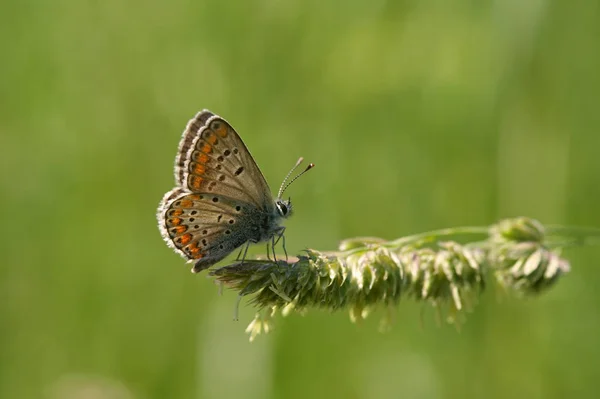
x=221, y=200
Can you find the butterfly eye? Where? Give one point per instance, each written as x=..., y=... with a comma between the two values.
x=284, y=208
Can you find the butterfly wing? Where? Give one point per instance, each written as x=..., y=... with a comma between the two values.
x=215, y=160
x=205, y=228
x=187, y=139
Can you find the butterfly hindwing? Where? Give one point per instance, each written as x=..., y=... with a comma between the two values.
x=204, y=228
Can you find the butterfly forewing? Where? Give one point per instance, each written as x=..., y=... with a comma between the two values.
x=217, y=161
x=187, y=139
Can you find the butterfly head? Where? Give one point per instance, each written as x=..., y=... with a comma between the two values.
x=284, y=207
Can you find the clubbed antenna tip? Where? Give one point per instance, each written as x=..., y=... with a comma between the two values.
x=285, y=184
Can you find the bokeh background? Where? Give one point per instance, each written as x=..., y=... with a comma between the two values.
x=419, y=115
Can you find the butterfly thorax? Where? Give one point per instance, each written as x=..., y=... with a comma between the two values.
x=271, y=221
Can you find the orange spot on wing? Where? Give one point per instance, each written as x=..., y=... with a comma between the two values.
x=199, y=169
x=196, y=182
x=176, y=212
x=194, y=251
x=203, y=158
x=186, y=203
x=175, y=221
x=186, y=238
x=212, y=139
x=206, y=148
x=195, y=197
x=180, y=229
x=221, y=130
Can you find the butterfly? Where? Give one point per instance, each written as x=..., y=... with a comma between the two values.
x=221, y=199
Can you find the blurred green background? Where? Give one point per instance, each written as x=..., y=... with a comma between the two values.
x=419, y=115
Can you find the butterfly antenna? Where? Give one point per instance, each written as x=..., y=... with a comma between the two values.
x=285, y=184
x=288, y=175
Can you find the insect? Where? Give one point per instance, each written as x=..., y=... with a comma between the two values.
x=221, y=199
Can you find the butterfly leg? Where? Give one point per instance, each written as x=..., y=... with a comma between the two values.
x=283, y=246
x=280, y=236
x=245, y=249
x=273, y=243
x=239, y=253
x=268, y=252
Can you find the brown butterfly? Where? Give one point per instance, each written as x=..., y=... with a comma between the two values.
x=221, y=200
